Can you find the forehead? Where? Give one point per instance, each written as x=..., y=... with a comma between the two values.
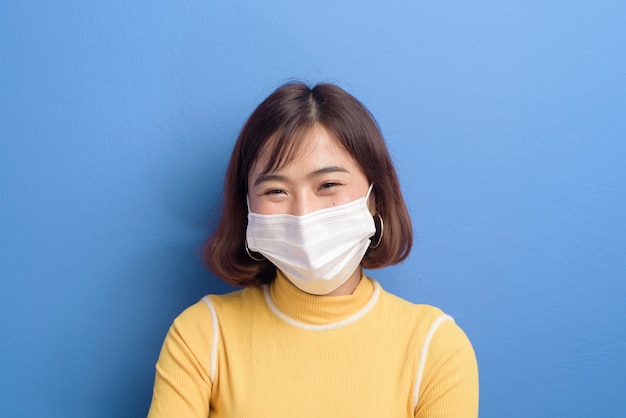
x=314, y=145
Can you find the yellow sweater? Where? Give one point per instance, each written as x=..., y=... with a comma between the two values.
x=279, y=352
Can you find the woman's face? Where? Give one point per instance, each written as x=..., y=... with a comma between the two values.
x=322, y=175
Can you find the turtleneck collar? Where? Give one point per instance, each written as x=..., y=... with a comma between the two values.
x=320, y=312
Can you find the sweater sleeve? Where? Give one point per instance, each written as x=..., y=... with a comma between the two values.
x=449, y=387
x=182, y=385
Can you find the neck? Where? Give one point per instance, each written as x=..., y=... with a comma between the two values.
x=316, y=310
x=348, y=287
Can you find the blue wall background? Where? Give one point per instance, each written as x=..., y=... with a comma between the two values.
x=507, y=124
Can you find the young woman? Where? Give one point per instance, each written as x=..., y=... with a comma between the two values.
x=311, y=196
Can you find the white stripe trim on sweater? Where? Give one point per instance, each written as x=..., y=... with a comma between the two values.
x=215, y=329
x=422, y=362
x=324, y=327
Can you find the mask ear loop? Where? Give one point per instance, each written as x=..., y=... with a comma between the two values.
x=382, y=231
x=380, y=220
x=245, y=245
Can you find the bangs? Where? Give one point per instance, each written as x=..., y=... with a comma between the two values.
x=286, y=145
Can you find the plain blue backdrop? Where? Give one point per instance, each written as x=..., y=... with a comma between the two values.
x=506, y=119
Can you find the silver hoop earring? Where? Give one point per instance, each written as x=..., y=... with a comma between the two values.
x=245, y=245
x=382, y=230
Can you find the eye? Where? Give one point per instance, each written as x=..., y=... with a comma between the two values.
x=274, y=192
x=329, y=185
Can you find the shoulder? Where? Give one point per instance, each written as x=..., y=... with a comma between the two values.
x=413, y=314
x=203, y=312
x=201, y=321
x=198, y=312
x=192, y=328
x=432, y=329
x=447, y=376
x=233, y=303
x=194, y=334
x=447, y=372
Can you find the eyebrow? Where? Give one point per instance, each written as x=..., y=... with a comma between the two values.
x=331, y=169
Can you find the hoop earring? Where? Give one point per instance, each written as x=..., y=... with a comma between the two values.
x=245, y=245
x=382, y=231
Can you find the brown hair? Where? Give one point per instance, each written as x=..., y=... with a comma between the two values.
x=286, y=116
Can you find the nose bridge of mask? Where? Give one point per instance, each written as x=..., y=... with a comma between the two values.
x=333, y=213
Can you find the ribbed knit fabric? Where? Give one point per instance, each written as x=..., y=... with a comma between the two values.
x=279, y=352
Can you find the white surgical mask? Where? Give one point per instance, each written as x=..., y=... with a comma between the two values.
x=318, y=251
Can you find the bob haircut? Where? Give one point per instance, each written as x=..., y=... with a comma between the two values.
x=284, y=119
